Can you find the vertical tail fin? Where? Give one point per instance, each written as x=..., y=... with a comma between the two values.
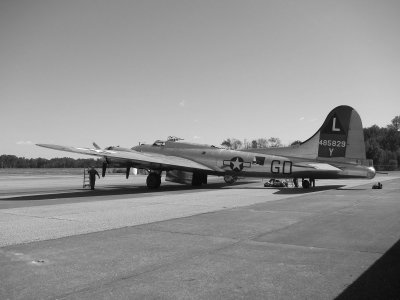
x=341, y=136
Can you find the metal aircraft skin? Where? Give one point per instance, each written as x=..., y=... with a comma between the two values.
x=335, y=151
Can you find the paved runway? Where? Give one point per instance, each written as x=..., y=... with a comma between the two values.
x=242, y=241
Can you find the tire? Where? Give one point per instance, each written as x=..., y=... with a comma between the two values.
x=229, y=179
x=197, y=179
x=153, y=181
x=305, y=184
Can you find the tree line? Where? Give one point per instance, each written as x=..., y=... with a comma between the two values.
x=382, y=145
x=234, y=144
x=12, y=161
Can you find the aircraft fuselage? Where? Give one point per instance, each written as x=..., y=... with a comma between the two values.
x=240, y=163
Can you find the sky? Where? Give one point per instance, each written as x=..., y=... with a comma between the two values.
x=123, y=72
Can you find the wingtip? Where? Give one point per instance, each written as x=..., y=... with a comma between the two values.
x=43, y=145
x=50, y=146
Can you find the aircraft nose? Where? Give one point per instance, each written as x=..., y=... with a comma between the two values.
x=371, y=172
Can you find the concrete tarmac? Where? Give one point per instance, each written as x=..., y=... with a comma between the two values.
x=122, y=241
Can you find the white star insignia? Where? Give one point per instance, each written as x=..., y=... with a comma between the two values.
x=236, y=164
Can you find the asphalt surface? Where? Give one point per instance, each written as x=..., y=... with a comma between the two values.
x=121, y=241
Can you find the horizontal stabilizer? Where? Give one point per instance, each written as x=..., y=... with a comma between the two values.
x=317, y=166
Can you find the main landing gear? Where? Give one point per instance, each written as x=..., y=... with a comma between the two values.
x=153, y=180
x=306, y=184
x=199, y=178
x=230, y=179
x=196, y=178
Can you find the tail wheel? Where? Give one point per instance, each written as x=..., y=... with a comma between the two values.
x=305, y=184
x=153, y=181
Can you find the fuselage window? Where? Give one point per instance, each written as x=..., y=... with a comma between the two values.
x=259, y=160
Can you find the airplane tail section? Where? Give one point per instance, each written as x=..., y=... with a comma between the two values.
x=341, y=136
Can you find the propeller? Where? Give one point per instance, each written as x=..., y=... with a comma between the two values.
x=104, y=165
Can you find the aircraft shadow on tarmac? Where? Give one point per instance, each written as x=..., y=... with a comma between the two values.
x=380, y=281
x=115, y=190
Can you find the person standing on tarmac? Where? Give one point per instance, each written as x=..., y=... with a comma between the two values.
x=92, y=177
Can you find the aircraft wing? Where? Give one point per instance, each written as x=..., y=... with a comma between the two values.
x=135, y=157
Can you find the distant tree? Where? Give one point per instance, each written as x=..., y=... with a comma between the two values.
x=297, y=142
x=372, y=150
x=232, y=143
x=11, y=161
x=227, y=143
x=391, y=139
x=8, y=161
x=393, y=164
x=246, y=144
x=395, y=123
x=398, y=156
x=262, y=143
x=382, y=145
x=274, y=142
x=236, y=144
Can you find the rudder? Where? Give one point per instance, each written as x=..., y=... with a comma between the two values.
x=341, y=135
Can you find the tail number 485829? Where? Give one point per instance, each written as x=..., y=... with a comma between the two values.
x=332, y=143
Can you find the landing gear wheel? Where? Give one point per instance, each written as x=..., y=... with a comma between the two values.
x=196, y=182
x=305, y=184
x=230, y=179
x=153, y=181
x=198, y=179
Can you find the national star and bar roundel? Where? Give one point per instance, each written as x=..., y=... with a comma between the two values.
x=237, y=164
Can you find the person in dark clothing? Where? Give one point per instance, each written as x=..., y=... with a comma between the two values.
x=295, y=182
x=92, y=177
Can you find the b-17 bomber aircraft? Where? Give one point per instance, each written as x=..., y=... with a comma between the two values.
x=335, y=151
